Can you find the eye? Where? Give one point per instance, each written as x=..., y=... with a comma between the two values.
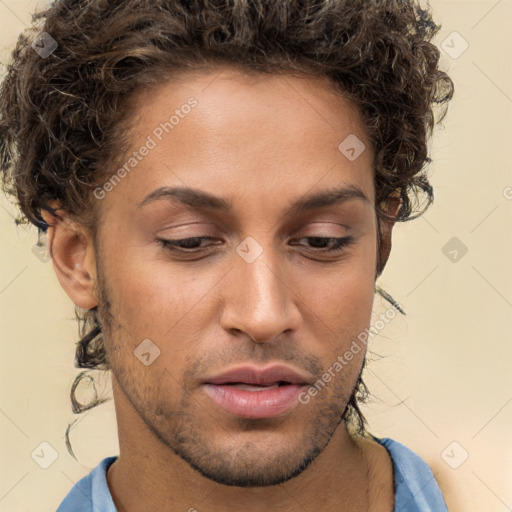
x=326, y=244
x=196, y=244
x=192, y=244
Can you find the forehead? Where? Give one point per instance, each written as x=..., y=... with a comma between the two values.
x=254, y=136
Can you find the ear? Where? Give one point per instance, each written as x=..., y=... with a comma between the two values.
x=72, y=250
x=384, y=229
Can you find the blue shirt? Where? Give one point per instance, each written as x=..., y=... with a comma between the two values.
x=416, y=489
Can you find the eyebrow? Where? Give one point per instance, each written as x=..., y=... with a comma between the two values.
x=198, y=199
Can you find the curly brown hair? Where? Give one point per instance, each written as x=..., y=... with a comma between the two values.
x=64, y=118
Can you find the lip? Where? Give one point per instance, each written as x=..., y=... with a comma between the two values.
x=266, y=403
x=250, y=374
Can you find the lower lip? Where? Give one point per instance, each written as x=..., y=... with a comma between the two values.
x=254, y=404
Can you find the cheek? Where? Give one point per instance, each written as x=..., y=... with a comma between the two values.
x=145, y=290
x=343, y=295
x=149, y=302
x=153, y=298
x=338, y=321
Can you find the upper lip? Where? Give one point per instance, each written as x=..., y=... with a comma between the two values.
x=249, y=374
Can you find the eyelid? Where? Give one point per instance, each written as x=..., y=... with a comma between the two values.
x=317, y=228
x=175, y=242
x=339, y=245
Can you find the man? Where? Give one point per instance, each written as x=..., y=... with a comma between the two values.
x=219, y=182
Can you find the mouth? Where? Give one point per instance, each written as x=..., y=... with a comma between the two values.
x=252, y=392
x=257, y=387
x=275, y=374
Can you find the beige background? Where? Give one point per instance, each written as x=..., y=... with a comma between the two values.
x=445, y=376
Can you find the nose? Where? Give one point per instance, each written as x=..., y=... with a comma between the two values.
x=260, y=299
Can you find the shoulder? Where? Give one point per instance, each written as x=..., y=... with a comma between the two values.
x=416, y=488
x=90, y=493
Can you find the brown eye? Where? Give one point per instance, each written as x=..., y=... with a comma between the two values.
x=192, y=244
x=326, y=244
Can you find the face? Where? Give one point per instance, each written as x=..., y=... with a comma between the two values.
x=236, y=261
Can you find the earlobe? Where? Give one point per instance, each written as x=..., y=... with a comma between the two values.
x=72, y=253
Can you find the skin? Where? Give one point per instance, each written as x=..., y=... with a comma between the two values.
x=261, y=142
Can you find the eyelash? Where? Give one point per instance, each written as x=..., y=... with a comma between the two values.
x=338, y=245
